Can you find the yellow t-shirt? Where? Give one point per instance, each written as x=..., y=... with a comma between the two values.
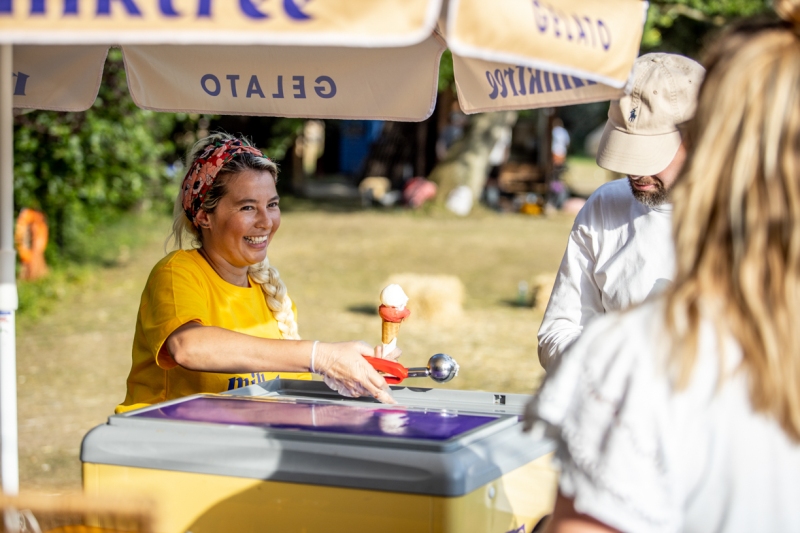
x=184, y=288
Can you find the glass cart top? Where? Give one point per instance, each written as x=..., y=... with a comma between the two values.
x=306, y=415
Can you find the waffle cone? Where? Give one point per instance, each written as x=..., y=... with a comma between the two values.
x=389, y=331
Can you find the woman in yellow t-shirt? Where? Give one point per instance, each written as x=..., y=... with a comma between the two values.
x=217, y=317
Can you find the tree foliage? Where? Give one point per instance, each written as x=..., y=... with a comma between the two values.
x=447, y=79
x=84, y=169
x=681, y=25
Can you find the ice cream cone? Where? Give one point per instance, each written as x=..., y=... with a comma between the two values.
x=389, y=331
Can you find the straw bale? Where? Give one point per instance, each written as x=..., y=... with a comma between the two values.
x=374, y=187
x=541, y=288
x=433, y=298
x=76, y=513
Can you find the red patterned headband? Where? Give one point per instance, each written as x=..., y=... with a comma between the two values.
x=204, y=170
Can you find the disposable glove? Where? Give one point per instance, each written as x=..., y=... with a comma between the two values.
x=394, y=355
x=344, y=369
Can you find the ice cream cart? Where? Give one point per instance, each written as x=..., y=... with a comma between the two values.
x=288, y=455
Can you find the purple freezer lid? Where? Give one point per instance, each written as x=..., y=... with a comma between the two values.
x=300, y=415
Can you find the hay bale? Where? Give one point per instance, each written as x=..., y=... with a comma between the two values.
x=374, y=188
x=434, y=298
x=541, y=288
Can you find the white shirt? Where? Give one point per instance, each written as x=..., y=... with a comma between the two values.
x=640, y=456
x=619, y=252
x=560, y=141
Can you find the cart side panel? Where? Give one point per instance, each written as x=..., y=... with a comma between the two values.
x=203, y=503
x=513, y=503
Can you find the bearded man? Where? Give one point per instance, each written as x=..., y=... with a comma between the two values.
x=620, y=249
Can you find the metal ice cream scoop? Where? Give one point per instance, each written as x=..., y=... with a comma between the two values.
x=441, y=368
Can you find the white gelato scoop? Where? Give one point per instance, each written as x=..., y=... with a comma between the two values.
x=393, y=296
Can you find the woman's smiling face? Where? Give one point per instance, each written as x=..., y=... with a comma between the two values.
x=244, y=221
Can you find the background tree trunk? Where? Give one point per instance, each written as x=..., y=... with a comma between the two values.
x=467, y=160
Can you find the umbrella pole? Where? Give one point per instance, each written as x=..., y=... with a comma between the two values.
x=9, y=458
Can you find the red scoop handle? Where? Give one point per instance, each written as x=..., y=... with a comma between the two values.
x=395, y=372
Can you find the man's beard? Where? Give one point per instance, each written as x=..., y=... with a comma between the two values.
x=658, y=196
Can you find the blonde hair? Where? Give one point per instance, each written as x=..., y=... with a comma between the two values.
x=185, y=234
x=737, y=214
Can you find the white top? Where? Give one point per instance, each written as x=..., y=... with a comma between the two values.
x=560, y=141
x=640, y=456
x=619, y=252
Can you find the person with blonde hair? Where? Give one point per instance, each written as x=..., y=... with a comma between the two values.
x=683, y=413
x=217, y=316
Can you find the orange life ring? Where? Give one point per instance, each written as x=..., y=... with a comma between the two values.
x=30, y=237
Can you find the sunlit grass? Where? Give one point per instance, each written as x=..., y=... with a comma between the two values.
x=109, y=246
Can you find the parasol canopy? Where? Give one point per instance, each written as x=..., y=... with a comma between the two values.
x=346, y=59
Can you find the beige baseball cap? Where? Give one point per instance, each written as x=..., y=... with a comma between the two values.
x=641, y=136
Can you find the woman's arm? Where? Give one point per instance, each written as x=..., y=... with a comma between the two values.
x=214, y=349
x=566, y=519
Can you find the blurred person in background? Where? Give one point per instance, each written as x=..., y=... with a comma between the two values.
x=558, y=192
x=560, y=143
x=683, y=413
x=620, y=249
x=217, y=316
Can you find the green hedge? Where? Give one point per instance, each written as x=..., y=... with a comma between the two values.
x=86, y=169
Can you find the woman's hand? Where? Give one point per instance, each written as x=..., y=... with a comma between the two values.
x=344, y=367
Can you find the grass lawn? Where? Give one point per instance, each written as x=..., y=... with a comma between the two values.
x=73, y=359
x=583, y=176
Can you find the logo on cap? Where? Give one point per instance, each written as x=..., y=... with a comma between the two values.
x=633, y=115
